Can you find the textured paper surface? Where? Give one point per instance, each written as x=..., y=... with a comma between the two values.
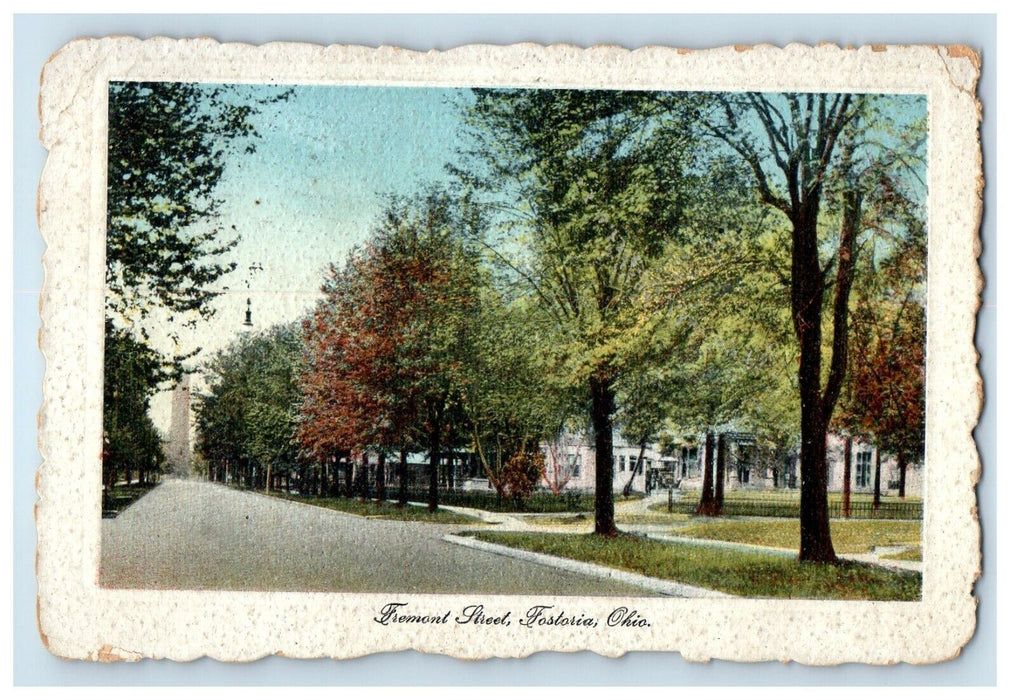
x=79, y=619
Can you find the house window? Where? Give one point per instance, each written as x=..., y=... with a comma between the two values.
x=621, y=464
x=632, y=464
x=690, y=460
x=744, y=473
x=863, y=471
x=576, y=461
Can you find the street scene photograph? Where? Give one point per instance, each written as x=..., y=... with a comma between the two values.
x=514, y=341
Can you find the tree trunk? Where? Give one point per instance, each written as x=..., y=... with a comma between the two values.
x=601, y=410
x=814, y=520
x=845, y=505
x=364, y=480
x=434, y=461
x=402, y=478
x=877, y=488
x=348, y=493
x=379, y=480
x=807, y=286
x=639, y=462
x=902, y=471
x=720, y=475
x=333, y=484
x=706, y=502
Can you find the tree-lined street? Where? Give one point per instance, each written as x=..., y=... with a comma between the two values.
x=733, y=281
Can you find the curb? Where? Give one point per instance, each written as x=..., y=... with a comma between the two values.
x=657, y=585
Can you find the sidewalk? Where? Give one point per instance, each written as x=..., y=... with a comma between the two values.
x=497, y=521
x=663, y=533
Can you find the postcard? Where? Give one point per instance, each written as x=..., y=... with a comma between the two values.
x=505, y=349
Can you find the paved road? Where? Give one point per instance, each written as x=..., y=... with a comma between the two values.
x=196, y=535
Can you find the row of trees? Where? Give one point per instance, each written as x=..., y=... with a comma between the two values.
x=169, y=145
x=410, y=349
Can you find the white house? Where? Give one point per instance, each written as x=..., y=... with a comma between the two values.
x=576, y=466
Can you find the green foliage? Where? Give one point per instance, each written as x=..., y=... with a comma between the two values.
x=130, y=439
x=593, y=190
x=511, y=399
x=117, y=499
x=596, y=191
x=167, y=150
x=169, y=145
x=247, y=417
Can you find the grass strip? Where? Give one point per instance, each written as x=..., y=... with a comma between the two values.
x=849, y=536
x=388, y=511
x=116, y=500
x=913, y=554
x=744, y=574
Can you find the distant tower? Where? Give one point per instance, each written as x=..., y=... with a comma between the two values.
x=178, y=449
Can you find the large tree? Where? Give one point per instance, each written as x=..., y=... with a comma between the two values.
x=590, y=188
x=817, y=159
x=885, y=396
x=390, y=342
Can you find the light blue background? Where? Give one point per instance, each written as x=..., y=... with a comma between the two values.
x=38, y=36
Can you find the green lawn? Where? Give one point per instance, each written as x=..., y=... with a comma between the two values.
x=578, y=520
x=653, y=518
x=913, y=554
x=745, y=574
x=585, y=520
x=389, y=511
x=849, y=536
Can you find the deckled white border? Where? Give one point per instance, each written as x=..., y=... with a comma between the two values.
x=79, y=620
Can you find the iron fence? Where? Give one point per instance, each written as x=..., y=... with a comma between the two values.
x=777, y=508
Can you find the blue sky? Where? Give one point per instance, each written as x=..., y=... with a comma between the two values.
x=324, y=163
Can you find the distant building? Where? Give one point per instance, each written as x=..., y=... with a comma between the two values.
x=863, y=470
x=747, y=467
x=178, y=442
x=571, y=462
